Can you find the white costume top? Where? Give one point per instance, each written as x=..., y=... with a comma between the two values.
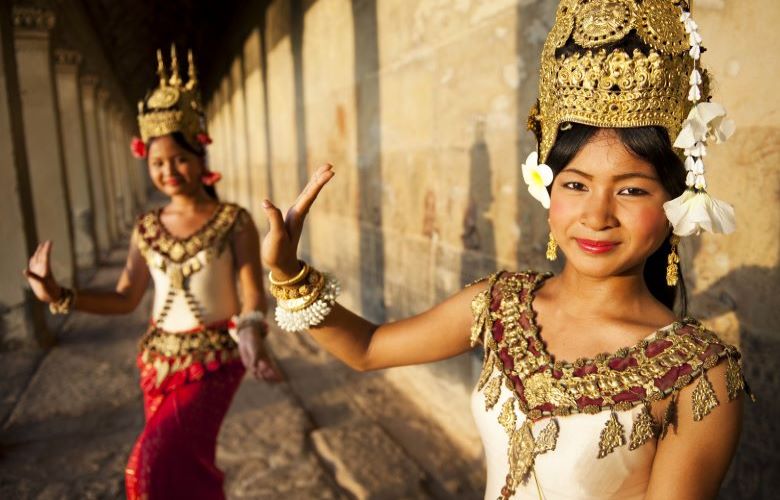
x=582, y=430
x=194, y=277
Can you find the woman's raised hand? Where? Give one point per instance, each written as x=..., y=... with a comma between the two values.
x=38, y=274
x=280, y=245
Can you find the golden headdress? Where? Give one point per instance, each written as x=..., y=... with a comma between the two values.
x=613, y=88
x=588, y=77
x=173, y=106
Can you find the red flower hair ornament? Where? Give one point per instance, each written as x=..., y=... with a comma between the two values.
x=203, y=138
x=138, y=147
x=210, y=178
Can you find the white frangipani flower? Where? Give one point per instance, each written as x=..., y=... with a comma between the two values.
x=538, y=176
x=706, y=119
x=696, y=211
x=695, y=52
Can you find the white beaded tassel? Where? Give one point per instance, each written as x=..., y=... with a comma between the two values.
x=296, y=321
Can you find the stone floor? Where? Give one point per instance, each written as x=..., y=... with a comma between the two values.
x=69, y=418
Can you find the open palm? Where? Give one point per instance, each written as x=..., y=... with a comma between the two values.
x=38, y=274
x=280, y=245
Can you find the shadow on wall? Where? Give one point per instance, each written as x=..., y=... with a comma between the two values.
x=479, y=241
x=297, y=15
x=750, y=294
x=369, y=146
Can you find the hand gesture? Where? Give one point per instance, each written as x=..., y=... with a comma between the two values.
x=255, y=357
x=280, y=245
x=38, y=274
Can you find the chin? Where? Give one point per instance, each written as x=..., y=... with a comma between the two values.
x=602, y=267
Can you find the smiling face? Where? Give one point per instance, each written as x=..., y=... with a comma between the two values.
x=174, y=170
x=606, y=211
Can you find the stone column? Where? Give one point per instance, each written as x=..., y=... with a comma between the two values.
x=107, y=167
x=76, y=159
x=92, y=138
x=120, y=168
x=42, y=137
x=240, y=167
x=256, y=120
x=229, y=157
x=22, y=316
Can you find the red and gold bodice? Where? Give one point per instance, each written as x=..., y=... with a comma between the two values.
x=194, y=297
x=533, y=396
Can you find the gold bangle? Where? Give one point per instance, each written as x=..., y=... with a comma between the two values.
x=313, y=281
x=298, y=277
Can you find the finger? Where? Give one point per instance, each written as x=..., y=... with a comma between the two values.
x=47, y=254
x=37, y=253
x=318, y=179
x=302, y=204
x=275, y=219
x=31, y=275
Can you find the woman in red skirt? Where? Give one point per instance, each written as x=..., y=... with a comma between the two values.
x=201, y=338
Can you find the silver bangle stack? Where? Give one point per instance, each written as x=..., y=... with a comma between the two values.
x=251, y=318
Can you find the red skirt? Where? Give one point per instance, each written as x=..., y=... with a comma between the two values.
x=174, y=457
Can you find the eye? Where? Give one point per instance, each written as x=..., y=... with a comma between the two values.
x=632, y=191
x=575, y=186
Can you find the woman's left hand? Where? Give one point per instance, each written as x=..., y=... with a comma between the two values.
x=255, y=356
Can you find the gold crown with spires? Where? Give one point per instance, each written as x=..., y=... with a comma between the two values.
x=603, y=86
x=173, y=106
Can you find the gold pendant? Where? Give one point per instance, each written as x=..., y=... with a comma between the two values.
x=492, y=392
x=704, y=398
x=670, y=416
x=734, y=381
x=643, y=430
x=507, y=417
x=487, y=370
x=521, y=453
x=523, y=448
x=612, y=436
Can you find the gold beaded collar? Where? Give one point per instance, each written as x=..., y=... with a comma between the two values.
x=654, y=368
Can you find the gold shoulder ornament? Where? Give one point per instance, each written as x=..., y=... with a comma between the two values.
x=544, y=390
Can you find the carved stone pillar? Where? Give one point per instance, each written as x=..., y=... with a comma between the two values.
x=48, y=177
x=97, y=176
x=112, y=200
x=76, y=160
x=21, y=317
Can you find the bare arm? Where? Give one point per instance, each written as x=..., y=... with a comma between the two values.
x=254, y=354
x=439, y=333
x=436, y=334
x=690, y=463
x=128, y=293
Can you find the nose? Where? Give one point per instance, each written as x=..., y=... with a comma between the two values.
x=598, y=212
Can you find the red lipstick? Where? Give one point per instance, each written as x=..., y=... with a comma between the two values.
x=172, y=181
x=596, y=247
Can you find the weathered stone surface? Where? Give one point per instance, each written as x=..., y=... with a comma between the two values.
x=368, y=463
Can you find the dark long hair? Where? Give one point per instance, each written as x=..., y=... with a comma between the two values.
x=200, y=152
x=652, y=145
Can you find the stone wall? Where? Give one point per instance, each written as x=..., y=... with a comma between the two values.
x=421, y=106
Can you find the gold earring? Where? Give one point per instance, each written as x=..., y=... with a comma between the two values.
x=672, y=271
x=552, y=248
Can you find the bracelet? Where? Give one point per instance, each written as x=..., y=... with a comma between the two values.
x=251, y=318
x=311, y=314
x=295, y=279
x=65, y=303
x=314, y=283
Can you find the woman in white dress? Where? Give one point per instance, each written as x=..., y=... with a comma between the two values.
x=592, y=386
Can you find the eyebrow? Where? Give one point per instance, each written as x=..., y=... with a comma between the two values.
x=619, y=177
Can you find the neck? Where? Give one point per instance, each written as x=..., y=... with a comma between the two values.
x=191, y=202
x=587, y=295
